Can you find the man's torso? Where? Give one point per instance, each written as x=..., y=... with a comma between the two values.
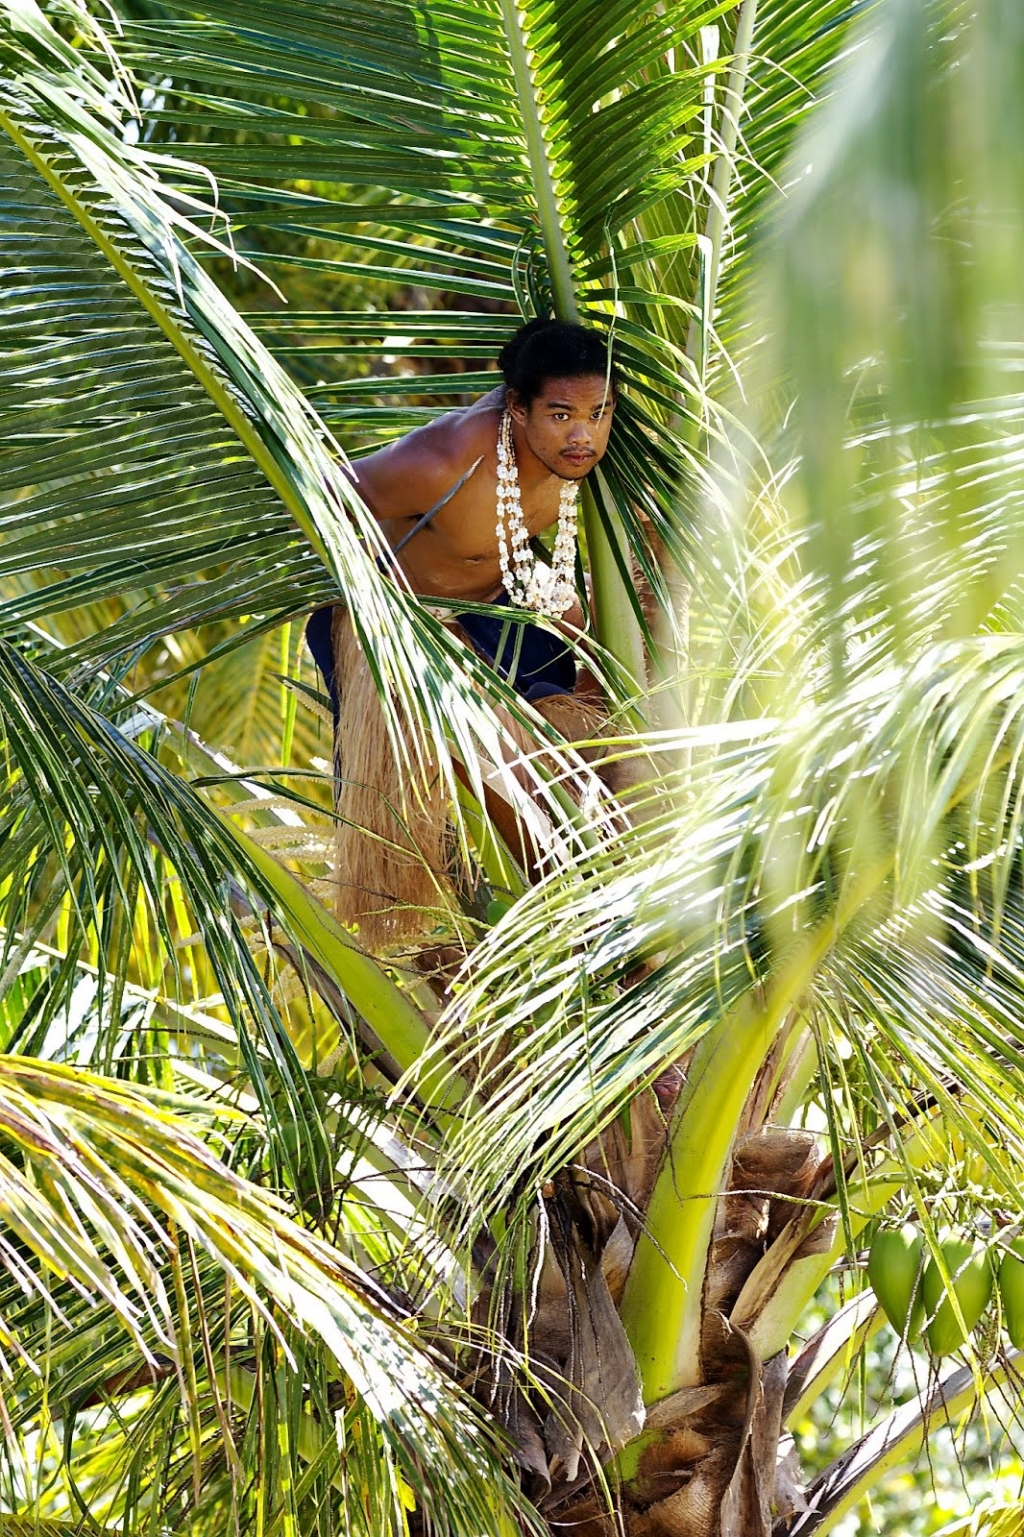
x=455, y=555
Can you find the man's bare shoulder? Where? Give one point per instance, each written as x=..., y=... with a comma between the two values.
x=459, y=437
x=408, y=475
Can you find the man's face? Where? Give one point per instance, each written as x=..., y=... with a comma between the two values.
x=567, y=423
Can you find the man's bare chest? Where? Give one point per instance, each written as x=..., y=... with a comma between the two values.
x=467, y=529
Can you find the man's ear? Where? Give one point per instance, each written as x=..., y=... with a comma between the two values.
x=516, y=408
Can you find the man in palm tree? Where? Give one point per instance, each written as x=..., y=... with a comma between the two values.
x=436, y=494
x=460, y=501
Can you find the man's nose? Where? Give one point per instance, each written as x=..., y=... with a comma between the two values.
x=579, y=432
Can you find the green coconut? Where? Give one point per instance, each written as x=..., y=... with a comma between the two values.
x=1011, y=1292
x=971, y=1274
x=894, y=1270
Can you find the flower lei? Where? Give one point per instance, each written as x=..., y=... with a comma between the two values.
x=528, y=581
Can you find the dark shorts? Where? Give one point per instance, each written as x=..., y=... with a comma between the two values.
x=536, y=662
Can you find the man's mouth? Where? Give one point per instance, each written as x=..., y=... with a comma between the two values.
x=577, y=458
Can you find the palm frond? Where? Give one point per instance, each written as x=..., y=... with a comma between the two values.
x=895, y=1438
x=91, y=810
x=105, y=1186
x=114, y=242
x=871, y=853
x=923, y=739
x=568, y=168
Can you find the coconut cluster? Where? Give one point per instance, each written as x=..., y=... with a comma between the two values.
x=947, y=1297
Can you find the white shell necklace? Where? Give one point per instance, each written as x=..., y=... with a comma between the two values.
x=528, y=581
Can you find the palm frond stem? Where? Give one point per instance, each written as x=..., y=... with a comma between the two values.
x=837, y=1344
x=661, y=1309
x=671, y=1256
x=399, y=1026
x=718, y=202
x=563, y=286
x=889, y=1445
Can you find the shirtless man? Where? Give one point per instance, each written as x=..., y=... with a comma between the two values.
x=560, y=396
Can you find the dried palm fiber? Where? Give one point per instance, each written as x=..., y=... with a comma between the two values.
x=390, y=844
x=393, y=845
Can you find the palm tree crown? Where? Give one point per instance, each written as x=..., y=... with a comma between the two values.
x=297, y=1237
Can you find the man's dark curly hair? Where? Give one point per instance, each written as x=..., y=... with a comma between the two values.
x=554, y=349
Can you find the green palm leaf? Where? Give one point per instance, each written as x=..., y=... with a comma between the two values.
x=820, y=897
x=524, y=181
x=841, y=859
x=581, y=164
x=103, y=1186
x=250, y=511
